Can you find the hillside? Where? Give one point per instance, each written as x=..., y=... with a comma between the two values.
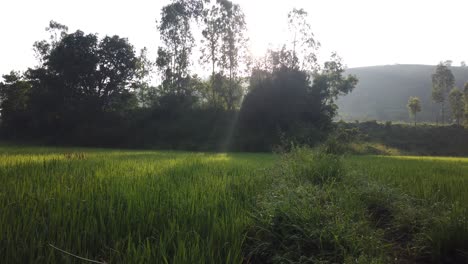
x=383, y=91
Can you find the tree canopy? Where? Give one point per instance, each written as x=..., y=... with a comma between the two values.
x=414, y=107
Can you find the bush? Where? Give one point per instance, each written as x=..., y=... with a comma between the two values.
x=312, y=165
x=339, y=142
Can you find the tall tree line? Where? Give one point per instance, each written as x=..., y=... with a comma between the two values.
x=97, y=91
x=443, y=89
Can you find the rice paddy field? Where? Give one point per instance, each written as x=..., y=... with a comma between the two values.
x=70, y=205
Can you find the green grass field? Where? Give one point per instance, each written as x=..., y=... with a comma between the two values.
x=438, y=185
x=178, y=207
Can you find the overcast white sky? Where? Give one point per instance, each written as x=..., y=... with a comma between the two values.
x=363, y=32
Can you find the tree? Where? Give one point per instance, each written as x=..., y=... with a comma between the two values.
x=465, y=92
x=233, y=51
x=333, y=74
x=82, y=77
x=457, y=104
x=414, y=107
x=442, y=82
x=174, y=56
x=284, y=100
x=14, y=102
x=212, y=33
x=146, y=93
x=56, y=32
x=303, y=40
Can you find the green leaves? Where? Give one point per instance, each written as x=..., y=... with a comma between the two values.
x=457, y=104
x=414, y=106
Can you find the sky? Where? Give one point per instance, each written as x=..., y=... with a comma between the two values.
x=362, y=32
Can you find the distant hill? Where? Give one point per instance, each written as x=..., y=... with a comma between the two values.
x=382, y=92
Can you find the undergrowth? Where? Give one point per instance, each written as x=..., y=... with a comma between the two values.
x=316, y=211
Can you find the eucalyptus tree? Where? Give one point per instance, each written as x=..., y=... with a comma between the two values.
x=173, y=60
x=457, y=105
x=56, y=32
x=146, y=93
x=211, y=45
x=442, y=82
x=234, y=60
x=174, y=57
x=304, y=45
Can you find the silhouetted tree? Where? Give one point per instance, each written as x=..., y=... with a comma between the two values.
x=56, y=32
x=80, y=77
x=97, y=91
x=286, y=101
x=15, y=94
x=414, y=107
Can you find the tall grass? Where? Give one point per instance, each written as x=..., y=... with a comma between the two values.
x=321, y=208
x=114, y=206
x=440, y=184
x=125, y=206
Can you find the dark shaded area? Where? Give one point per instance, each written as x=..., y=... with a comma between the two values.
x=419, y=140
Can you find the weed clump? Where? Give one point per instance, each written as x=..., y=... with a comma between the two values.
x=310, y=165
x=307, y=216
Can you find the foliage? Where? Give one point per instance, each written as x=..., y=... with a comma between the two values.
x=146, y=94
x=424, y=139
x=465, y=97
x=14, y=102
x=96, y=91
x=314, y=166
x=233, y=48
x=457, y=104
x=174, y=57
x=304, y=45
x=211, y=46
x=340, y=140
x=414, y=107
x=284, y=99
x=442, y=82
